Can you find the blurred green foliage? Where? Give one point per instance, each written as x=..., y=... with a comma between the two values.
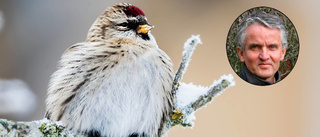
x=293, y=42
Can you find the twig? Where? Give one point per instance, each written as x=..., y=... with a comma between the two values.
x=189, y=47
x=213, y=92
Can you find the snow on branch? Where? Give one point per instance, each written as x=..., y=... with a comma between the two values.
x=188, y=98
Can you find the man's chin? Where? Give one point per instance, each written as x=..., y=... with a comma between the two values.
x=265, y=75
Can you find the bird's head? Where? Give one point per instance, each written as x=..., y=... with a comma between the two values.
x=123, y=21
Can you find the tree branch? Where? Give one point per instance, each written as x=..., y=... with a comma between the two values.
x=188, y=98
x=38, y=128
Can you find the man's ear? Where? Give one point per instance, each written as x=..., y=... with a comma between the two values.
x=283, y=53
x=240, y=54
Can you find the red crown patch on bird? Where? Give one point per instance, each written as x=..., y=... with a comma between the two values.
x=133, y=11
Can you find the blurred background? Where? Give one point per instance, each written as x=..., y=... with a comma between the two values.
x=34, y=34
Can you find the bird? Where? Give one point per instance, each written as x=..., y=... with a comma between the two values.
x=116, y=83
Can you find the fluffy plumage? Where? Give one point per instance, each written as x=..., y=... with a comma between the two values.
x=115, y=84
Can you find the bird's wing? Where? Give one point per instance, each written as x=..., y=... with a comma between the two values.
x=74, y=72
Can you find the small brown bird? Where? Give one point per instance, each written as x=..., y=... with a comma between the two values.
x=115, y=84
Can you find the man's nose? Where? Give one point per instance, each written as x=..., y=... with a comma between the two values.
x=264, y=54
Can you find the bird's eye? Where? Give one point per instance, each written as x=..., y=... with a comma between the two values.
x=124, y=24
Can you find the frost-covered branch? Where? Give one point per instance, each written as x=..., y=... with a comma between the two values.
x=217, y=87
x=189, y=47
x=188, y=98
x=40, y=128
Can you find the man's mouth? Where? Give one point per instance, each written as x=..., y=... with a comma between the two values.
x=264, y=65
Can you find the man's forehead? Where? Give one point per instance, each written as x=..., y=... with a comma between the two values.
x=260, y=34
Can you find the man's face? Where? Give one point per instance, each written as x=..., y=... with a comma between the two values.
x=262, y=51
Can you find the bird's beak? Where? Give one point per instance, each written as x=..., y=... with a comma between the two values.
x=144, y=28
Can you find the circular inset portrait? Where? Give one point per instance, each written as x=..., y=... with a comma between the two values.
x=262, y=46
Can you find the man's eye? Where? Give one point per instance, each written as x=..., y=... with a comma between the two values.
x=254, y=47
x=273, y=46
x=125, y=24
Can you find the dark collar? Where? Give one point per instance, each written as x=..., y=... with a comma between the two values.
x=253, y=79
